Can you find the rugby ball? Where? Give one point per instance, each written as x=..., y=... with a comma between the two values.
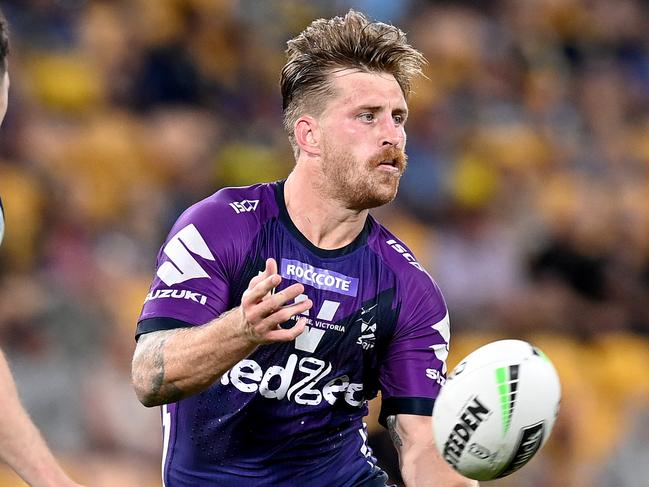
x=497, y=409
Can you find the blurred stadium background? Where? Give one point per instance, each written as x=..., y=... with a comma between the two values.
x=527, y=198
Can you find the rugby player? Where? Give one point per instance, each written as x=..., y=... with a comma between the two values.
x=21, y=445
x=279, y=309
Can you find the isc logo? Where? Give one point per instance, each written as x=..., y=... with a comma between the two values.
x=244, y=206
x=405, y=253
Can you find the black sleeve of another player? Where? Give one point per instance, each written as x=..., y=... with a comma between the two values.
x=157, y=324
x=419, y=406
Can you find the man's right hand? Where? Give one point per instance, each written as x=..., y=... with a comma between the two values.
x=262, y=311
x=169, y=365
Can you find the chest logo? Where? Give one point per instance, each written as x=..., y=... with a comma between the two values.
x=319, y=278
x=367, y=321
x=313, y=332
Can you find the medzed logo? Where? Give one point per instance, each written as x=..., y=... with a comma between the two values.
x=529, y=442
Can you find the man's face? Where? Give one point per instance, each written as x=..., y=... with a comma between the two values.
x=4, y=95
x=363, y=139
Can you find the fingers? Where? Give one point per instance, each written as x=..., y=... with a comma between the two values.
x=256, y=280
x=287, y=335
x=269, y=270
x=271, y=266
x=262, y=320
x=263, y=311
x=269, y=329
x=284, y=313
x=275, y=307
x=255, y=293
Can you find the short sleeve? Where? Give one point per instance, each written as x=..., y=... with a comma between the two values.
x=194, y=269
x=414, y=366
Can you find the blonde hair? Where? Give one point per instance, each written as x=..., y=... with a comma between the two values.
x=345, y=42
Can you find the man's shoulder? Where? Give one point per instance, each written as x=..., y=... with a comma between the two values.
x=233, y=214
x=234, y=206
x=396, y=254
x=394, y=251
x=417, y=290
x=240, y=199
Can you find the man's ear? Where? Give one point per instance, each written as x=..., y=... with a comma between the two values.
x=307, y=135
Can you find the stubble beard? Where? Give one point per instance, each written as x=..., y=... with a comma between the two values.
x=361, y=185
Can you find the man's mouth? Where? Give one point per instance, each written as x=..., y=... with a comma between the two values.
x=391, y=161
x=390, y=165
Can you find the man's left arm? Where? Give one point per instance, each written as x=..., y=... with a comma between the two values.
x=419, y=461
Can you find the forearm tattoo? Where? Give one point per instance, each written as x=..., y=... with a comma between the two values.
x=150, y=371
x=392, y=428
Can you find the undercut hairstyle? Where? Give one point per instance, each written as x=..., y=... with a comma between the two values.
x=349, y=42
x=4, y=43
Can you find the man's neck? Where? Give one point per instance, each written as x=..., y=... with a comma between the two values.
x=325, y=222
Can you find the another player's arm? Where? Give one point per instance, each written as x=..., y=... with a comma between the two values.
x=21, y=444
x=419, y=461
x=169, y=365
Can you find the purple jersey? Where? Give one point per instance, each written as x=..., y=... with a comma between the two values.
x=292, y=413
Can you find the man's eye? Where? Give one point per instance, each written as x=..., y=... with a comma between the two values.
x=398, y=119
x=366, y=117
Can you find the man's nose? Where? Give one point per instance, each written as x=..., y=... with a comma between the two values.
x=391, y=133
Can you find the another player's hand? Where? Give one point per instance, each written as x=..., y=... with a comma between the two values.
x=263, y=312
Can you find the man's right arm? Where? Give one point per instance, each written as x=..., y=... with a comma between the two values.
x=169, y=365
